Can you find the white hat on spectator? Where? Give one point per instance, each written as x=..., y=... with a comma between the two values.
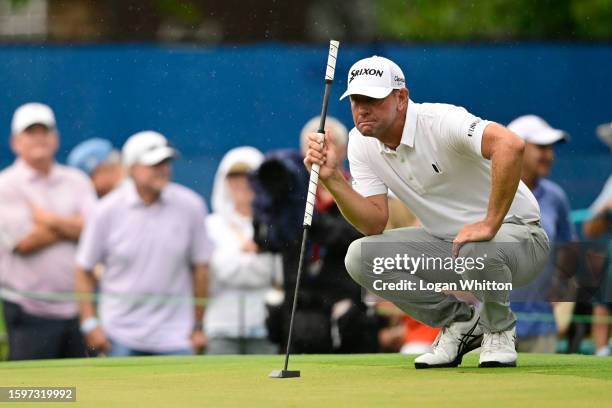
x=147, y=148
x=32, y=114
x=533, y=129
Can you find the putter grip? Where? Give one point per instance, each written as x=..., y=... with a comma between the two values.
x=331, y=60
x=312, y=194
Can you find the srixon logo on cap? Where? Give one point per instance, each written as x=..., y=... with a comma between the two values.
x=365, y=71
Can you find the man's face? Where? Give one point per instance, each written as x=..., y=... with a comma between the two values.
x=373, y=117
x=537, y=159
x=106, y=177
x=152, y=178
x=240, y=190
x=37, y=144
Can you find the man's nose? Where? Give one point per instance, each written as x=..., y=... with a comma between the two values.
x=363, y=109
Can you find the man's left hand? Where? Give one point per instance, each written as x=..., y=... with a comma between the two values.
x=198, y=341
x=476, y=232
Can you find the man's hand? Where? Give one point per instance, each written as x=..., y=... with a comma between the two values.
x=97, y=340
x=43, y=217
x=198, y=341
x=476, y=232
x=249, y=246
x=68, y=227
x=325, y=154
x=39, y=238
x=600, y=224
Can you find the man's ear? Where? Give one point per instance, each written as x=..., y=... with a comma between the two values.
x=14, y=144
x=403, y=99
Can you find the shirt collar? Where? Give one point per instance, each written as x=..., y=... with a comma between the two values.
x=32, y=174
x=133, y=199
x=408, y=133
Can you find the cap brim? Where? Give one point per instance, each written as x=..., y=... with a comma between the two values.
x=371, y=91
x=25, y=126
x=157, y=156
x=549, y=137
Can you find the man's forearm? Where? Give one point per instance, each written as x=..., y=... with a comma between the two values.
x=200, y=290
x=68, y=227
x=597, y=226
x=39, y=238
x=85, y=286
x=506, y=163
x=363, y=214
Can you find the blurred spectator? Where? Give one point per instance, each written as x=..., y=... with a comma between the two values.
x=604, y=133
x=540, y=334
x=100, y=161
x=600, y=227
x=41, y=216
x=330, y=316
x=400, y=216
x=332, y=124
x=240, y=276
x=150, y=235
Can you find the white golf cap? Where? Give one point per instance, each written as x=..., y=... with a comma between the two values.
x=534, y=129
x=32, y=114
x=375, y=77
x=147, y=148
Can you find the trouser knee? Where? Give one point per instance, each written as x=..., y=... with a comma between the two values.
x=356, y=264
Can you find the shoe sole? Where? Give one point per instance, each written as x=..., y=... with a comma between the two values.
x=496, y=364
x=452, y=364
x=474, y=344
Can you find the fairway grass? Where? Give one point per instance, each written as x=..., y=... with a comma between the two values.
x=381, y=380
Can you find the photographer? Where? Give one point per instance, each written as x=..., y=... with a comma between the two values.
x=330, y=315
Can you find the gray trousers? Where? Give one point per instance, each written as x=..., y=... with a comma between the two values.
x=516, y=255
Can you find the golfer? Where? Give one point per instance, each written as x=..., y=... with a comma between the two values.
x=460, y=175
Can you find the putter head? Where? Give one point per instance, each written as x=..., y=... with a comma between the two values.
x=284, y=374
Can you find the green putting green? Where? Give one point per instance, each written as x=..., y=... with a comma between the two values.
x=327, y=381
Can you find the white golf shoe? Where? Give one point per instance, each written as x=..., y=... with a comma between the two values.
x=451, y=344
x=499, y=349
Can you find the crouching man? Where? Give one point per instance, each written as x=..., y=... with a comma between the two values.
x=460, y=175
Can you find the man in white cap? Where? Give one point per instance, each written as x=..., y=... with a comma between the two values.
x=42, y=210
x=460, y=175
x=540, y=335
x=151, y=238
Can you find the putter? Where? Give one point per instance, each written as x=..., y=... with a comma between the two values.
x=310, y=201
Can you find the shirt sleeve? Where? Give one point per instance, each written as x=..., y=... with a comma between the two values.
x=201, y=245
x=463, y=131
x=364, y=181
x=90, y=250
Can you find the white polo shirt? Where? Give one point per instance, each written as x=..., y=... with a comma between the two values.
x=438, y=169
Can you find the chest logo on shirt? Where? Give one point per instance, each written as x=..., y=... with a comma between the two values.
x=473, y=127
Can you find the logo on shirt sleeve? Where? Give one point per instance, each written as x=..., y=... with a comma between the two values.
x=472, y=127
